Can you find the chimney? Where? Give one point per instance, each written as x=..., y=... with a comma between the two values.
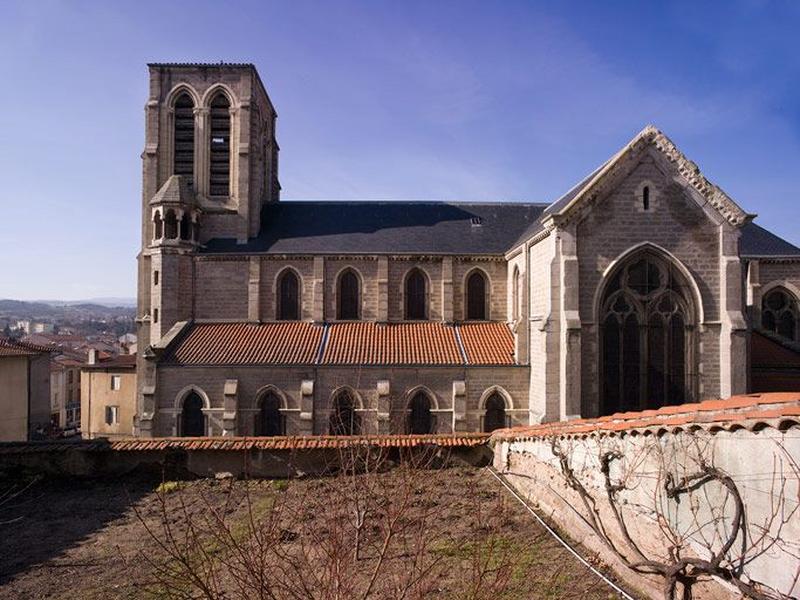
x=92, y=356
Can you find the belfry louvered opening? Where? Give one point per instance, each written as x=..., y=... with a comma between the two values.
x=184, y=136
x=220, y=153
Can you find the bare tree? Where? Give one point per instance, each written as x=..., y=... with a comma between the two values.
x=364, y=531
x=705, y=526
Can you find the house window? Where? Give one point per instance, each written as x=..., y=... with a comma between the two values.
x=112, y=415
x=416, y=295
x=779, y=313
x=288, y=296
x=645, y=336
x=476, y=296
x=344, y=419
x=420, y=418
x=220, y=151
x=348, y=296
x=183, y=138
x=116, y=382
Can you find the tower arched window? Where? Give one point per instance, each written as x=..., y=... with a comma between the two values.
x=476, y=296
x=344, y=419
x=288, y=296
x=186, y=227
x=183, y=136
x=495, y=417
x=269, y=420
x=158, y=226
x=348, y=296
x=193, y=422
x=420, y=418
x=646, y=314
x=779, y=313
x=170, y=225
x=416, y=293
x=220, y=148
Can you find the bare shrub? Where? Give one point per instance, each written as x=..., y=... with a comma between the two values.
x=705, y=526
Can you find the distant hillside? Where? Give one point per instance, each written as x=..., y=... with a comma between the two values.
x=57, y=310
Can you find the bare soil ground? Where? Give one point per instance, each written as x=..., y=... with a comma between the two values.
x=110, y=539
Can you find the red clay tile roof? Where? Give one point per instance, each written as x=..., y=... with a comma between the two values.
x=343, y=343
x=364, y=343
x=121, y=361
x=9, y=348
x=749, y=411
x=281, y=343
x=487, y=343
x=311, y=442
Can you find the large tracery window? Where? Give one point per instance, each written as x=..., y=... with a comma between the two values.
x=779, y=313
x=476, y=296
x=183, y=140
x=645, y=336
x=220, y=151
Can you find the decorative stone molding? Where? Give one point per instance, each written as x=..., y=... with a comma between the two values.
x=307, y=399
x=459, y=401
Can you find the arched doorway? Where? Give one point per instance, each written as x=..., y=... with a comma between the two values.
x=420, y=418
x=269, y=420
x=495, y=417
x=344, y=419
x=193, y=421
x=646, y=317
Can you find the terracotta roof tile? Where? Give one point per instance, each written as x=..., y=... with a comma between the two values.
x=247, y=343
x=10, y=348
x=252, y=443
x=487, y=343
x=366, y=343
x=746, y=410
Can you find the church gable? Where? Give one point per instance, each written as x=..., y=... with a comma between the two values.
x=651, y=144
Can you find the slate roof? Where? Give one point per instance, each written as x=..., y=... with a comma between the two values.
x=757, y=242
x=294, y=227
x=342, y=343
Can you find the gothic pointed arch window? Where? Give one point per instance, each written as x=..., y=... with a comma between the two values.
x=220, y=146
x=646, y=317
x=348, y=295
x=186, y=226
x=416, y=295
x=476, y=296
x=193, y=421
x=183, y=136
x=495, y=417
x=288, y=308
x=269, y=420
x=420, y=417
x=779, y=313
x=344, y=419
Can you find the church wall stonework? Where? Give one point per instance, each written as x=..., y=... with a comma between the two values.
x=221, y=289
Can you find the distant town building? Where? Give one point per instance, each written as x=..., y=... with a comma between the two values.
x=24, y=391
x=108, y=396
x=29, y=326
x=65, y=392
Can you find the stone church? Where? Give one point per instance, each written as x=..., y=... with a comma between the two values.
x=644, y=285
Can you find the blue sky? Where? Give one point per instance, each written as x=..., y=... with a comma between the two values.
x=385, y=100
